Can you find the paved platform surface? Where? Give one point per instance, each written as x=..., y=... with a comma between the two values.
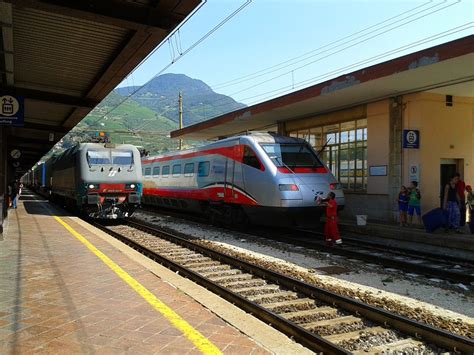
x=56, y=296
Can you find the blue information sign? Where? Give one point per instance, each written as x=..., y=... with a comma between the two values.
x=411, y=139
x=12, y=110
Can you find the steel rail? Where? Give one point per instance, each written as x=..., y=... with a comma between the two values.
x=446, y=274
x=299, y=334
x=440, y=337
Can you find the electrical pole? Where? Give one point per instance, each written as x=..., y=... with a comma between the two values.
x=180, y=102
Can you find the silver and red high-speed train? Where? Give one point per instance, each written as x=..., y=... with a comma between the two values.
x=262, y=178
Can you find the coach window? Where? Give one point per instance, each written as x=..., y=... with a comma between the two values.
x=203, y=168
x=177, y=170
x=147, y=171
x=189, y=169
x=156, y=170
x=250, y=158
x=165, y=171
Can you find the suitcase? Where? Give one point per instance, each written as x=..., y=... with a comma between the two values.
x=434, y=219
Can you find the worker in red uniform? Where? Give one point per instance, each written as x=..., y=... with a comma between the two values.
x=331, y=230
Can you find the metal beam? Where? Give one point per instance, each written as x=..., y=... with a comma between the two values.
x=133, y=50
x=51, y=97
x=113, y=12
x=15, y=140
x=45, y=127
x=6, y=36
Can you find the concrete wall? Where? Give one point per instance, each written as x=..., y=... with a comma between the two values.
x=445, y=133
x=377, y=144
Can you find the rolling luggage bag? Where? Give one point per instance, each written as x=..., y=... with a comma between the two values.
x=435, y=219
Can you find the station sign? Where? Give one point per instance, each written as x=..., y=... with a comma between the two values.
x=414, y=172
x=411, y=139
x=12, y=110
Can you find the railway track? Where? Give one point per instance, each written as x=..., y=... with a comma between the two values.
x=319, y=319
x=419, y=262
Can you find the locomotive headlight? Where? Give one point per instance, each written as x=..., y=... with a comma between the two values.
x=132, y=186
x=288, y=187
x=93, y=186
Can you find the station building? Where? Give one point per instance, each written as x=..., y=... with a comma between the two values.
x=407, y=119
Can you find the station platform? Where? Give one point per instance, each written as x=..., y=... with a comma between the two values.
x=413, y=238
x=66, y=288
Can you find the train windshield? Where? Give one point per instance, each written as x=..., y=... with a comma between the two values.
x=292, y=155
x=122, y=157
x=98, y=157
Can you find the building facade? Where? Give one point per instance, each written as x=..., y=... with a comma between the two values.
x=363, y=147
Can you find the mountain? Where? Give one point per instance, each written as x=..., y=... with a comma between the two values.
x=200, y=102
x=146, y=118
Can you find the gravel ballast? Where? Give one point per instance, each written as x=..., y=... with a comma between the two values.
x=417, y=298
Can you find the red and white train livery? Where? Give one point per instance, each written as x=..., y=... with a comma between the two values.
x=263, y=178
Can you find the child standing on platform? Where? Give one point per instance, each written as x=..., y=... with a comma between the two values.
x=403, y=199
x=331, y=230
x=414, y=204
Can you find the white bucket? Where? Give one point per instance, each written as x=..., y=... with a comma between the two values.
x=361, y=219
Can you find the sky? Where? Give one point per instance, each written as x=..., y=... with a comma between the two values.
x=340, y=37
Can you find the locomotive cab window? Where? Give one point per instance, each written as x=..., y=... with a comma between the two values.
x=251, y=159
x=189, y=169
x=292, y=155
x=166, y=170
x=98, y=157
x=156, y=170
x=147, y=171
x=122, y=158
x=203, y=168
x=177, y=170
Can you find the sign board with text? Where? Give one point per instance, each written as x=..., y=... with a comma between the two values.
x=12, y=110
x=414, y=172
x=411, y=139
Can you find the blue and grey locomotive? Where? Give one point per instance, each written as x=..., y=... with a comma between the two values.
x=100, y=180
x=262, y=177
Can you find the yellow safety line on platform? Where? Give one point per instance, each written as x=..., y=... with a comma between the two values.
x=199, y=340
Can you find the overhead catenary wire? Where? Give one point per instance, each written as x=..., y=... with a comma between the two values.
x=336, y=52
x=194, y=45
x=317, y=50
x=289, y=88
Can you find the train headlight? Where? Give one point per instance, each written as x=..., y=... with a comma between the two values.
x=130, y=186
x=288, y=187
x=335, y=186
x=93, y=186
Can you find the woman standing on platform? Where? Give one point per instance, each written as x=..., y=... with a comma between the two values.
x=451, y=204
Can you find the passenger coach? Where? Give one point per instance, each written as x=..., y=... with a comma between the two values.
x=263, y=178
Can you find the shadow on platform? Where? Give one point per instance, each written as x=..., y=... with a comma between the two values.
x=43, y=207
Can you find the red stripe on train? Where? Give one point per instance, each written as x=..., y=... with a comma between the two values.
x=111, y=188
x=229, y=152
x=207, y=194
x=235, y=152
x=319, y=170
